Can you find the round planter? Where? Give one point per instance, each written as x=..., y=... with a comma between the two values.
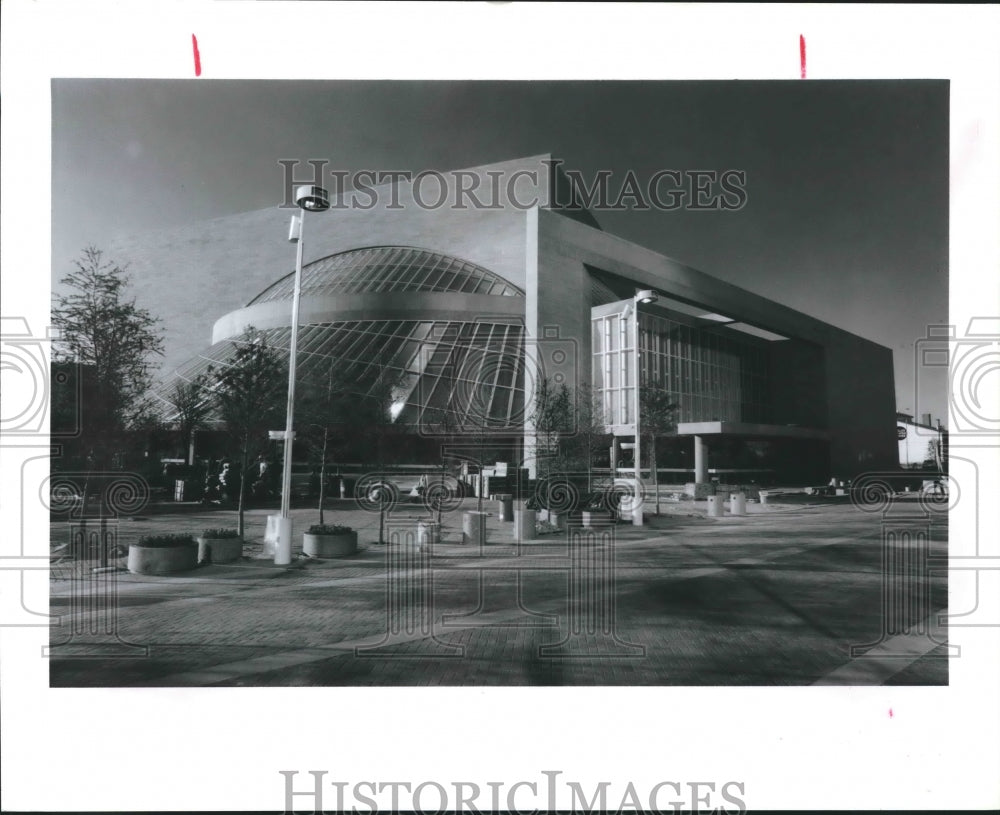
x=524, y=524
x=219, y=550
x=330, y=545
x=474, y=528
x=596, y=517
x=162, y=559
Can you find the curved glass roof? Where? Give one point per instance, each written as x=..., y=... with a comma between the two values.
x=466, y=374
x=390, y=269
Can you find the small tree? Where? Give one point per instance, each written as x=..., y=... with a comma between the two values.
x=192, y=401
x=329, y=409
x=114, y=341
x=377, y=423
x=249, y=394
x=591, y=435
x=657, y=417
x=553, y=420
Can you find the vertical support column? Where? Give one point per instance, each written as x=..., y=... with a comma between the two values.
x=700, y=461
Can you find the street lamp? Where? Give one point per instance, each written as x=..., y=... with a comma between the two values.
x=644, y=296
x=309, y=199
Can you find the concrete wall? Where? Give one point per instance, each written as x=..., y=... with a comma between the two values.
x=192, y=276
x=856, y=383
x=798, y=384
x=861, y=405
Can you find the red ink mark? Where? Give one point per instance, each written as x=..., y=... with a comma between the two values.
x=802, y=55
x=197, y=55
x=890, y=713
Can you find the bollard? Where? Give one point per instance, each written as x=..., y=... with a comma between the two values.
x=524, y=524
x=738, y=503
x=506, y=512
x=714, y=506
x=283, y=546
x=428, y=534
x=763, y=498
x=474, y=528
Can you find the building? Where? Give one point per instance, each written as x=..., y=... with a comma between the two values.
x=471, y=303
x=922, y=446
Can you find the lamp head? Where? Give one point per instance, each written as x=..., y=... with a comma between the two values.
x=312, y=199
x=646, y=296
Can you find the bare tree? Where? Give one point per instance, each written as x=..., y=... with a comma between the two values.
x=249, y=394
x=115, y=341
x=658, y=417
x=193, y=403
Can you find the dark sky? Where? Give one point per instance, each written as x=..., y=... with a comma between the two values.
x=847, y=182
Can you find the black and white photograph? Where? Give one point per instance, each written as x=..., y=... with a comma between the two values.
x=632, y=405
x=522, y=392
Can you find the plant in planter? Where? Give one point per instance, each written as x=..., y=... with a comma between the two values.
x=162, y=554
x=599, y=507
x=220, y=546
x=329, y=540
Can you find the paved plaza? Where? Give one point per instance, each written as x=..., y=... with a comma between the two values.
x=777, y=597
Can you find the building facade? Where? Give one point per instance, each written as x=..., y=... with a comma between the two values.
x=470, y=307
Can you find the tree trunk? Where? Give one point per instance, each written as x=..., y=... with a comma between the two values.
x=239, y=511
x=322, y=474
x=440, y=495
x=656, y=477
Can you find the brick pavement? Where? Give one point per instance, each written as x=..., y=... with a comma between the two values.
x=774, y=598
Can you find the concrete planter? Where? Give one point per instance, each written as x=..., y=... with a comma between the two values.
x=162, y=559
x=524, y=523
x=713, y=506
x=219, y=550
x=599, y=517
x=330, y=545
x=506, y=508
x=474, y=528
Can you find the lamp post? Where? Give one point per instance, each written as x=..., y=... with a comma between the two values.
x=644, y=296
x=309, y=199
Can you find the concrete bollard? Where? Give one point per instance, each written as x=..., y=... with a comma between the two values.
x=474, y=528
x=506, y=502
x=714, y=503
x=428, y=534
x=524, y=524
x=283, y=546
x=738, y=503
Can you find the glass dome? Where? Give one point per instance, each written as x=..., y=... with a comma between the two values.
x=466, y=373
x=390, y=269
